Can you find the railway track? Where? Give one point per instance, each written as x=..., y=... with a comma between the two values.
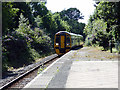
x=22, y=79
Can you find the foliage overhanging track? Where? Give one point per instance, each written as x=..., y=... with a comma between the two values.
x=43, y=62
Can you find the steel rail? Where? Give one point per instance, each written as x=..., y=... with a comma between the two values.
x=46, y=60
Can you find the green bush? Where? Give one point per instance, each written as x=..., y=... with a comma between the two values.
x=117, y=46
x=24, y=45
x=15, y=50
x=88, y=41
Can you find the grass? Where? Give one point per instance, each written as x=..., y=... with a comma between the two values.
x=40, y=69
x=100, y=48
x=57, y=69
x=114, y=50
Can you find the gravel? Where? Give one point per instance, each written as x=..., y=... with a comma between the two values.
x=15, y=73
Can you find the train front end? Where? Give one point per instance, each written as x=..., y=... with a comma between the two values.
x=62, y=42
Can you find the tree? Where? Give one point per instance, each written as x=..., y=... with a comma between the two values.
x=61, y=24
x=71, y=13
x=88, y=28
x=71, y=16
x=106, y=14
x=49, y=24
x=26, y=10
x=39, y=8
x=8, y=14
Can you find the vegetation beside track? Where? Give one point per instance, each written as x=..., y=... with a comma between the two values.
x=103, y=28
x=28, y=30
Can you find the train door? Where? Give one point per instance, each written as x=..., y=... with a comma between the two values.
x=62, y=41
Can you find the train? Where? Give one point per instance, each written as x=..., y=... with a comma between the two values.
x=65, y=41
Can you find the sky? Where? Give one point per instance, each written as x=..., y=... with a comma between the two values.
x=86, y=7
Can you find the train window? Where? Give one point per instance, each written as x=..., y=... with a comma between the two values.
x=57, y=39
x=67, y=39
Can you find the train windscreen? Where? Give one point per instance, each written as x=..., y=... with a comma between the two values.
x=57, y=39
x=67, y=39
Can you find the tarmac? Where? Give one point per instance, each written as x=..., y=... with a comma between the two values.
x=70, y=71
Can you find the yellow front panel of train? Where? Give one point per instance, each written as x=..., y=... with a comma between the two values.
x=57, y=51
x=62, y=42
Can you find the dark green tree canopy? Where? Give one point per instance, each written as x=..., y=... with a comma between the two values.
x=24, y=8
x=71, y=16
x=104, y=25
x=29, y=29
x=71, y=13
x=39, y=9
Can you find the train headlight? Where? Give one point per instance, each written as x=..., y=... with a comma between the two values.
x=67, y=44
x=57, y=43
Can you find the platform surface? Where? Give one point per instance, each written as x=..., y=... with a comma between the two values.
x=75, y=71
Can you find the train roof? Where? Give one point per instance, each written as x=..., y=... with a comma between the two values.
x=73, y=34
x=62, y=32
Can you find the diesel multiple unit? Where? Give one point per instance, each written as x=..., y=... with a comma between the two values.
x=64, y=41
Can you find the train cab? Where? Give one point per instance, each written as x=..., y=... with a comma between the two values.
x=64, y=41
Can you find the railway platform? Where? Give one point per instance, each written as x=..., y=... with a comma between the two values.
x=82, y=68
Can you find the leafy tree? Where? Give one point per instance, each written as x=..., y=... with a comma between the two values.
x=62, y=25
x=109, y=12
x=49, y=24
x=71, y=13
x=35, y=38
x=99, y=33
x=88, y=28
x=16, y=46
x=8, y=14
x=39, y=8
x=39, y=22
x=107, y=15
x=26, y=10
x=76, y=27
